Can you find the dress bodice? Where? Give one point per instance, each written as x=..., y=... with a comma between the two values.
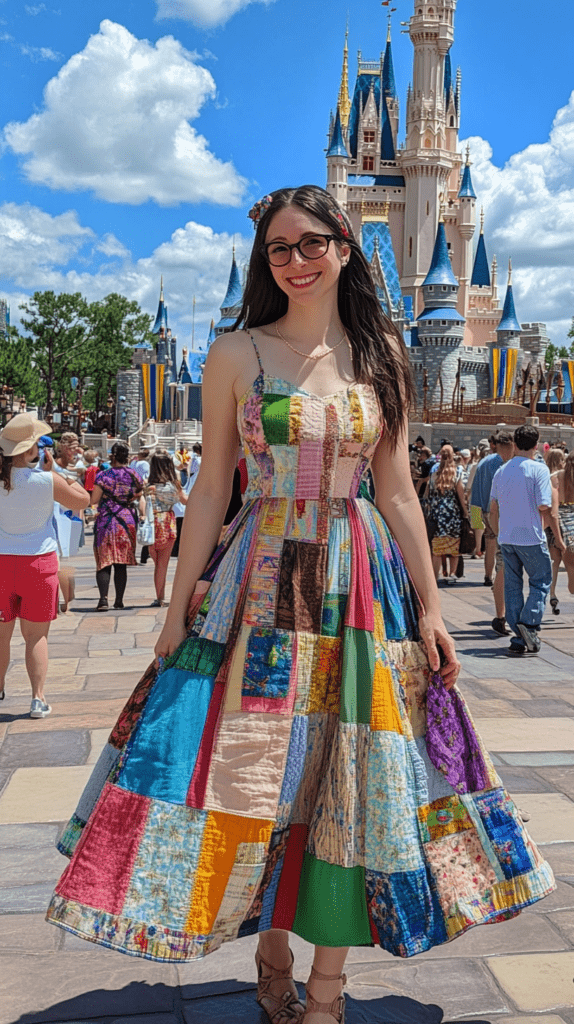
x=303, y=446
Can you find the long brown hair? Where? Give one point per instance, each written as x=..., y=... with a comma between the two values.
x=6, y=471
x=161, y=468
x=569, y=478
x=378, y=350
x=445, y=476
x=555, y=459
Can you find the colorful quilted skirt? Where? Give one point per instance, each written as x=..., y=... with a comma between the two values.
x=293, y=765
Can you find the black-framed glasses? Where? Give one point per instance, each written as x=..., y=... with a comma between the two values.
x=279, y=254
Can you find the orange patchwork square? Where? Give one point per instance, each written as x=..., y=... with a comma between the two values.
x=219, y=851
x=325, y=692
x=385, y=715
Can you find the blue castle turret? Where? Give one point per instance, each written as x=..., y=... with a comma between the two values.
x=509, y=330
x=233, y=301
x=481, y=270
x=337, y=145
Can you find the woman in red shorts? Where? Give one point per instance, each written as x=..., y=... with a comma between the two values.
x=28, y=545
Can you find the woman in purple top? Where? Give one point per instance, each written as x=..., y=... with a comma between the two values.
x=116, y=493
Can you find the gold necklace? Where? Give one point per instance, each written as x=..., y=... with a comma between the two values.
x=304, y=354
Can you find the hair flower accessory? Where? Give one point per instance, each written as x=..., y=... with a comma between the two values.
x=259, y=209
x=344, y=228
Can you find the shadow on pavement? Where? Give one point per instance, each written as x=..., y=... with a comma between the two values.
x=214, y=1003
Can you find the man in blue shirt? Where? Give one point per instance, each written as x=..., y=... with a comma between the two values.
x=521, y=496
x=480, y=496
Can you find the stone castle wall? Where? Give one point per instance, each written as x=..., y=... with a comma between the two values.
x=438, y=359
x=128, y=411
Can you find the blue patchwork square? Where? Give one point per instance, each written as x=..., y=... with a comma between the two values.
x=505, y=831
x=268, y=663
x=405, y=910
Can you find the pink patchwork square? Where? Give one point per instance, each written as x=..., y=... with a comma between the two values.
x=309, y=470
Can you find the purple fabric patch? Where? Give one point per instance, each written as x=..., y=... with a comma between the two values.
x=451, y=741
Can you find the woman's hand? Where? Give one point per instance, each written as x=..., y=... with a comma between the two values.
x=433, y=631
x=170, y=638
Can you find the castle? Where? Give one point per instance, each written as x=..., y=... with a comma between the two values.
x=412, y=204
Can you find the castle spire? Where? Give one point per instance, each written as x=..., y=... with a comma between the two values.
x=389, y=83
x=509, y=325
x=234, y=294
x=161, y=315
x=440, y=269
x=337, y=145
x=466, y=187
x=481, y=270
x=344, y=100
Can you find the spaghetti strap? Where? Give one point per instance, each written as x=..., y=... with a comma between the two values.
x=256, y=352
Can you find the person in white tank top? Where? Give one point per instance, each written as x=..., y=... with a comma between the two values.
x=28, y=548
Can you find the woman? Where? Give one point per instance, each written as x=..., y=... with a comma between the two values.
x=67, y=465
x=561, y=535
x=117, y=493
x=476, y=520
x=28, y=548
x=446, y=499
x=278, y=739
x=165, y=491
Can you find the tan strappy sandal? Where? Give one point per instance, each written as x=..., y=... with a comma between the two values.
x=336, y=1009
x=283, y=1009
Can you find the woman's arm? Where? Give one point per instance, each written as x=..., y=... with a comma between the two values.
x=208, y=501
x=96, y=494
x=552, y=518
x=67, y=492
x=461, y=497
x=397, y=502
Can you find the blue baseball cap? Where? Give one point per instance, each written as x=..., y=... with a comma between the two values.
x=45, y=441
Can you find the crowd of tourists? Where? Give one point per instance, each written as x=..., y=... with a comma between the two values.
x=511, y=504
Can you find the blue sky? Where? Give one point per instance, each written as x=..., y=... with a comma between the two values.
x=137, y=133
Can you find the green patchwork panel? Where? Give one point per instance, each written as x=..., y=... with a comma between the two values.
x=275, y=418
x=332, y=905
x=357, y=675
x=334, y=606
x=198, y=655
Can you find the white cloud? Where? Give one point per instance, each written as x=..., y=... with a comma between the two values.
x=206, y=13
x=34, y=9
x=529, y=216
x=116, y=122
x=38, y=53
x=39, y=251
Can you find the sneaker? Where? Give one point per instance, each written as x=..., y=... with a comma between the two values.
x=499, y=626
x=452, y=579
x=530, y=637
x=39, y=708
x=516, y=648
x=488, y=581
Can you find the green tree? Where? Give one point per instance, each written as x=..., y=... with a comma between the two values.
x=16, y=369
x=113, y=326
x=553, y=352
x=57, y=328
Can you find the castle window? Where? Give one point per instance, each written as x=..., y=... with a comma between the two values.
x=452, y=121
x=368, y=136
x=444, y=288
x=444, y=323
x=427, y=143
x=368, y=163
x=428, y=207
x=431, y=287
x=410, y=246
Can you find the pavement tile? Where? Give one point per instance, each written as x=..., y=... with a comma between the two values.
x=560, y=778
x=109, y=665
x=4, y=776
x=97, y=624
x=47, y=748
x=564, y=922
x=541, y=981
x=490, y=708
x=136, y=624
x=538, y=758
x=30, y=899
x=545, y=707
x=549, y=1018
x=25, y=837
x=105, y=643
x=25, y=867
x=469, y=985
x=519, y=734
x=98, y=740
x=61, y=648
x=100, y=682
x=495, y=663
x=145, y=639
x=99, y=715
x=85, y=986
x=561, y=899
x=524, y=780
x=552, y=816
x=561, y=857
x=42, y=794
x=494, y=689
x=18, y=685
x=27, y=933
x=115, y=652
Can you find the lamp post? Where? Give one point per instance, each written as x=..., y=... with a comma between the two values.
x=560, y=388
x=425, y=394
x=462, y=395
x=6, y=403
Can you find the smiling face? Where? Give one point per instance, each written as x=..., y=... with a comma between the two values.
x=304, y=279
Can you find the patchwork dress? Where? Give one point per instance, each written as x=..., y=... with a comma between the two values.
x=293, y=765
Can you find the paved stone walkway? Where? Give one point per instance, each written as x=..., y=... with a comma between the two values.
x=519, y=971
